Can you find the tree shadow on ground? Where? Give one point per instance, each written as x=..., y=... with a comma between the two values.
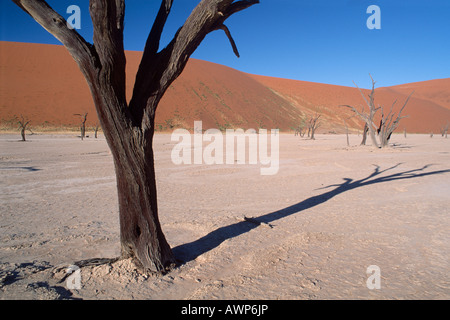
x=29, y=169
x=190, y=251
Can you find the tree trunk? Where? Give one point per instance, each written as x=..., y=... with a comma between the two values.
x=83, y=124
x=373, y=138
x=22, y=133
x=83, y=131
x=141, y=235
x=23, y=127
x=96, y=131
x=313, y=125
x=365, y=130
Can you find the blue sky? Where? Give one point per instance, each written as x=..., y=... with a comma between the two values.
x=313, y=40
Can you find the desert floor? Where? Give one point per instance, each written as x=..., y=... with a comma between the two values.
x=330, y=213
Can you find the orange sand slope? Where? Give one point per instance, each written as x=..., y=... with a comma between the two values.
x=44, y=84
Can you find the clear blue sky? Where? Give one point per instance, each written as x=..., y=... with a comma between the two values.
x=323, y=41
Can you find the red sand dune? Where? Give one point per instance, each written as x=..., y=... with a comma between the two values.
x=424, y=114
x=44, y=84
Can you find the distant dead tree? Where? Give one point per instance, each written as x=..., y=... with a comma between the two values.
x=313, y=125
x=83, y=124
x=300, y=129
x=97, y=126
x=388, y=123
x=23, y=126
x=444, y=130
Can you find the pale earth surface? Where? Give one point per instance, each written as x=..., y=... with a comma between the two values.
x=322, y=227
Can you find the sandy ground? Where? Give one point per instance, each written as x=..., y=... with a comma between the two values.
x=330, y=213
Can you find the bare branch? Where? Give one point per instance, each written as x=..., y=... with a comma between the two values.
x=362, y=94
x=239, y=6
x=208, y=16
x=108, y=22
x=233, y=44
x=360, y=114
x=154, y=38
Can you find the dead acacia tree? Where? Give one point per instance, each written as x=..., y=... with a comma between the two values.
x=83, y=124
x=444, y=130
x=300, y=129
x=388, y=123
x=367, y=117
x=97, y=126
x=129, y=127
x=313, y=125
x=23, y=127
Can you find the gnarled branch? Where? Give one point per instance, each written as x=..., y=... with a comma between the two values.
x=232, y=42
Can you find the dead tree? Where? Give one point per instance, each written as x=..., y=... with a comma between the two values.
x=368, y=118
x=314, y=124
x=300, y=129
x=388, y=123
x=23, y=127
x=129, y=127
x=83, y=124
x=444, y=130
x=97, y=126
